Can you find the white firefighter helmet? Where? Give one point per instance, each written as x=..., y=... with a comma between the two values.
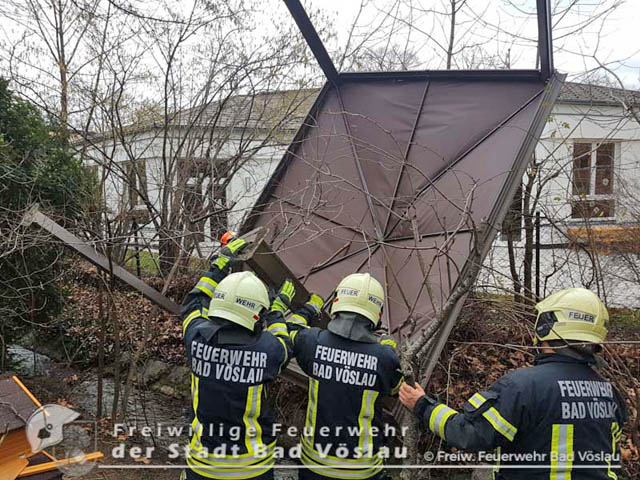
x=359, y=293
x=240, y=298
x=572, y=314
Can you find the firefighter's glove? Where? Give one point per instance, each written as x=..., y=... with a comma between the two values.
x=283, y=299
x=316, y=303
x=228, y=254
x=388, y=340
x=309, y=312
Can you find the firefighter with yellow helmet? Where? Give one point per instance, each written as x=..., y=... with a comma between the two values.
x=232, y=359
x=351, y=370
x=558, y=419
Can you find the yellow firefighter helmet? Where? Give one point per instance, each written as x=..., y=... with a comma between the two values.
x=240, y=298
x=360, y=293
x=572, y=314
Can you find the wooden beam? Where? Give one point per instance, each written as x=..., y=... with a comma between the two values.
x=49, y=466
x=11, y=469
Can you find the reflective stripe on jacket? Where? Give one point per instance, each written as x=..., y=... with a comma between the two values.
x=232, y=424
x=347, y=382
x=549, y=418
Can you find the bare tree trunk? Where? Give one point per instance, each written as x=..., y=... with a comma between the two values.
x=101, y=339
x=452, y=34
x=515, y=278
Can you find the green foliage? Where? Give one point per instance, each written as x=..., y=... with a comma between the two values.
x=36, y=166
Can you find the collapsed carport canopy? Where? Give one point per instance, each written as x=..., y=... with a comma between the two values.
x=392, y=171
x=384, y=171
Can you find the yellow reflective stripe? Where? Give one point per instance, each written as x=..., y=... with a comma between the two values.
x=278, y=329
x=332, y=460
x=438, y=419
x=496, y=467
x=321, y=467
x=395, y=389
x=207, y=285
x=561, y=452
x=477, y=400
x=189, y=318
x=195, y=396
x=312, y=411
x=500, y=424
x=286, y=350
x=616, y=432
x=365, y=418
x=253, y=429
x=297, y=319
x=229, y=472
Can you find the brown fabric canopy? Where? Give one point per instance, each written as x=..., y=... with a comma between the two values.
x=390, y=172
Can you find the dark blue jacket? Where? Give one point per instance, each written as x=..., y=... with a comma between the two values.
x=348, y=381
x=556, y=418
x=232, y=429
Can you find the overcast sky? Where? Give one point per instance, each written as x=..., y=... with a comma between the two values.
x=612, y=34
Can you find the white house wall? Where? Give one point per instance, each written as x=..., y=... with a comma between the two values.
x=242, y=191
x=562, y=267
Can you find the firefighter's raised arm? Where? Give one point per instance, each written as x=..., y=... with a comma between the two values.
x=199, y=297
x=275, y=318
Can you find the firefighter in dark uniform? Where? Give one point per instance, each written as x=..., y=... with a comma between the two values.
x=231, y=361
x=351, y=370
x=558, y=419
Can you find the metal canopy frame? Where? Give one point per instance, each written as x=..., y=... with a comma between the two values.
x=545, y=50
x=544, y=97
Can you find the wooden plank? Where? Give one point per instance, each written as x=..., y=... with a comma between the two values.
x=47, y=467
x=11, y=469
x=14, y=445
x=83, y=248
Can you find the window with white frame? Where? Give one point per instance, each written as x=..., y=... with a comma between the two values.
x=592, y=185
x=135, y=183
x=204, y=201
x=195, y=176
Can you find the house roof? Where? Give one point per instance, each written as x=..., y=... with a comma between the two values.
x=588, y=94
x=277, y=111
x=282, y=109
x=16, y=406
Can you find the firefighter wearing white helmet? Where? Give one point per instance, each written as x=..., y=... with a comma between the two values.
x=351, y=369
x=240, y=298
x=236, y=343
x=574, y=314
x=555, y=415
